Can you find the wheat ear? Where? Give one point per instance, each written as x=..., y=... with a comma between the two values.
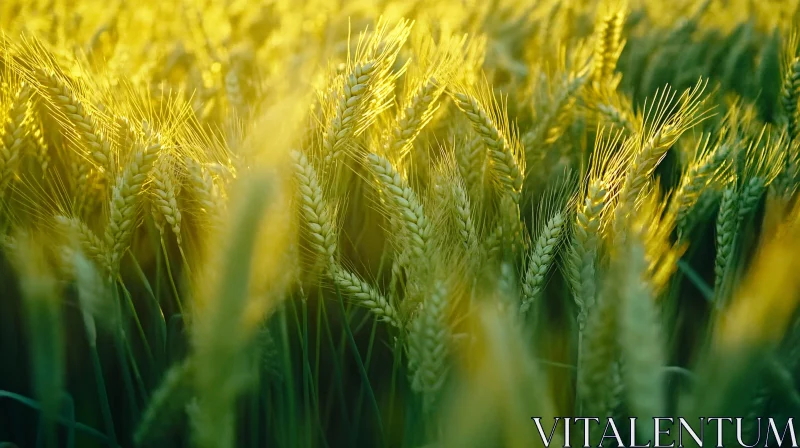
x=14, y=135
x=314, y=209
x=405, y=205
x=205, y=192
x=343, y=123
x=550, y=127
x=166, y=403
x=617, y=115
x=83, y=121
x=427, y=346
x=414, y=116
x=166, y=213
x=763, y=163
x=471, y=158
x=650, y=146
x=37, y=145
x=125, y=195
x=363, y=92
x=124, y=136
x=540, y=260
x=506, y=163
x=790, y=90
x=727, y=221
x=364, y=294
x=89, y=242
x=695, y=180
x=609, y=44
x=465, y=224
x=583, y=252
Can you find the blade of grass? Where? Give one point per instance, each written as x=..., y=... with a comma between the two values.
x=338, y=375
x=361, y=370
x=135, y=316
x=360, y=399
x=396, y=366
x=86, y=429
x=158, y=314
x=288, y=377
x=697, y=281
x=171, y=278
x=122, y=348
x=105, y=408
x=69, y=411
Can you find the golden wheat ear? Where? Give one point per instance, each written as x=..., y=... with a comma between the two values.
x=434, y=69
x=125, y=197
x=707, y=163
x=763, y=160
x=364, y=91
x=315, y=209
x=594, y=201
x=665, y=121
x=489, y=120
x=15, y=113
x=608, y=41
x=164, y=194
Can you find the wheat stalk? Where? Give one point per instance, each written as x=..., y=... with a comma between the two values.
x=640, y=340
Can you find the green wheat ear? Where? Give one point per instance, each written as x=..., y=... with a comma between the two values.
x=790, y=87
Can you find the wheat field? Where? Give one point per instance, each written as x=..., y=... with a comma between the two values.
x=272, y=223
